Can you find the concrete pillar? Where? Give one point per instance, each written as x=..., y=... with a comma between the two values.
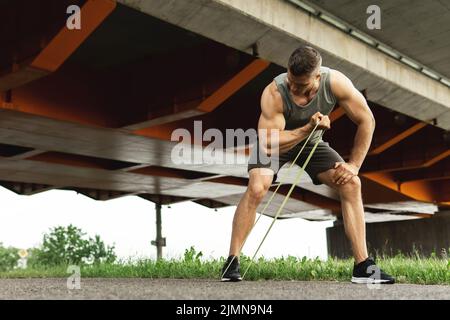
x=422, y=235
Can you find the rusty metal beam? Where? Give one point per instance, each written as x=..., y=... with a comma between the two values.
x=392, y=130
x=233, y=85
x=337, y=113
x=60, y=47
x=427, y=191
x=421, y=150
x=439, y=171
x=436, y=159
x=397, y=138
x=436, y=191
x=63, y=96
x=210, y=103
x=168, y=115
x=376, y=165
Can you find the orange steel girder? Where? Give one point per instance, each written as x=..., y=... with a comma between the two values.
x=427, y=163
x=396, y=139
x=60, y=47
x=419, y=190
x=337, y=113
x=165, y=123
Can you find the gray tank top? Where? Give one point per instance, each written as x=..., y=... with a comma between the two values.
x=298, y=116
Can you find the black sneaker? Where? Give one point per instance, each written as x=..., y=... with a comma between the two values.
x=368, y=272
x=231, y=270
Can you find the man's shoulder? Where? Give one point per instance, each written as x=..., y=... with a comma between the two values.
x=336, y=75
x=274, y=96
x=340, y=84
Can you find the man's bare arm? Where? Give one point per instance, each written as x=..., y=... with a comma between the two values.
x=356, y=108
x=272, y=120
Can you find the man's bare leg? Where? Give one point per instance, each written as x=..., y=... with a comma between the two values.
x=260, y=180
x=352, y=212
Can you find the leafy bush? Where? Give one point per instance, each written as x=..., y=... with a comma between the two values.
x=8, y=257
x=69, y=245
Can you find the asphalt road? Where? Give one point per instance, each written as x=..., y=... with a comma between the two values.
x=211, y=289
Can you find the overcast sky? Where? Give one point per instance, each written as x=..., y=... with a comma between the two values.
x=129, y=223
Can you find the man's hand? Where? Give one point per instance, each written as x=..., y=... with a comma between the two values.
x=323, y=121
x=344, y=172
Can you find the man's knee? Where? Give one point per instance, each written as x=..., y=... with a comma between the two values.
x=257, y=190
x=353, y=185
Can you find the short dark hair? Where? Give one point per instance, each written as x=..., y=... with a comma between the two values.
x=304, y=60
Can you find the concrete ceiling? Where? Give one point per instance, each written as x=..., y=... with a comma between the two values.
x=419, y=29
x=278, y=27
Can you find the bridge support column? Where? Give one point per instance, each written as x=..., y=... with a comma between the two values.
x=160, y=242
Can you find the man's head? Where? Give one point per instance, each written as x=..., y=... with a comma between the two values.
x=303, y=69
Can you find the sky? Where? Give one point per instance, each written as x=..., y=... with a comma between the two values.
x=129, y=224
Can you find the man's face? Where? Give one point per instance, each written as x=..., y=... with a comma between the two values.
x=302, y=85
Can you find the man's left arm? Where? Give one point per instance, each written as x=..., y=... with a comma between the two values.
x=356, y=108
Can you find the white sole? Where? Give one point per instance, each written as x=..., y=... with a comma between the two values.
x=368, y=280
x=231, y=280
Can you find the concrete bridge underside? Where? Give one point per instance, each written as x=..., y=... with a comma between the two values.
x=93, y=110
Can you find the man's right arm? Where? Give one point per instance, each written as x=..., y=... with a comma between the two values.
x=272, y=119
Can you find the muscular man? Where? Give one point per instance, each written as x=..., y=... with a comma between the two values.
x=292, y=105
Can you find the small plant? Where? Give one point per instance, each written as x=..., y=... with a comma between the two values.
x=191, y=255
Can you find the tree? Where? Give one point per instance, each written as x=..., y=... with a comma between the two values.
x=69, y=245
x=8, y=257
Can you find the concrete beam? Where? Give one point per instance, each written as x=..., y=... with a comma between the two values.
x=163, y=199
x=24, y=188
x=279, y=27
x=101, y=195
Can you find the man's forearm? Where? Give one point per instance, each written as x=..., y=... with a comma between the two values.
x=290, y=138
x=361, y=145
x=287, y=139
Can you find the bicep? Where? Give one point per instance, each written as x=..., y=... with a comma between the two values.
x=270, y=117
x=356, y=108
x=274, y=122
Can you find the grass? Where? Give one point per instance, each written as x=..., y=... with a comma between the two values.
x=406, y=269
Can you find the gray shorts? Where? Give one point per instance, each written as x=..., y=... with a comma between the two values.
x=323, y=159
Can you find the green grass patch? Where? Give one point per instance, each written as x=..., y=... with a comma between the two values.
x=406, y=269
